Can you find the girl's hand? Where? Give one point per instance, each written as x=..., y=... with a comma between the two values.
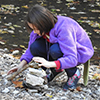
x=12, y=70
x=22, y=64
x=44, y=62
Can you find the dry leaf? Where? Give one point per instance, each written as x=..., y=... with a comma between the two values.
x=96, y=76
x=22, y=46
x=84, y=17
x=49, y=95
x=98, y=11
x=17, y=57
x=25, y=7
x=79, y=88
x=17, y=26
x=96, y=30
x=18, y=84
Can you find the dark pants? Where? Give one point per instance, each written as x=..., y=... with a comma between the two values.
x=39, y=48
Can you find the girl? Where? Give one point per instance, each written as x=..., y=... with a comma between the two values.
x=58, y=43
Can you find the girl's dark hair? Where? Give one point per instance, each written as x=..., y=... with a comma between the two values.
x=42, y=18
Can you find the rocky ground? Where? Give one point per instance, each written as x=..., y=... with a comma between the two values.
x=51, y=92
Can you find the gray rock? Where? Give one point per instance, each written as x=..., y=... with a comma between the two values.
x=6, y=90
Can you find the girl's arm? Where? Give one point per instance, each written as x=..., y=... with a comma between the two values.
x=22, y=64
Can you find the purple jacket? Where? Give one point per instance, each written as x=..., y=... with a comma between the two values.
x=73, y=41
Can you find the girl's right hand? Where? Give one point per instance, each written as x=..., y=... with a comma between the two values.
x=12, y=70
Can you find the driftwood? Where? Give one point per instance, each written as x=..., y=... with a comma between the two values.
x=14, y=74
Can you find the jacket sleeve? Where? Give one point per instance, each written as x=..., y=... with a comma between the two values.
x=67, y=43
x=28, y=56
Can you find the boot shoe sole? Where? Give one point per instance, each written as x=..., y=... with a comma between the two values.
x=57, y=76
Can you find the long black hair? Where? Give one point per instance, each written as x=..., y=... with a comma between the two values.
x=41, y=18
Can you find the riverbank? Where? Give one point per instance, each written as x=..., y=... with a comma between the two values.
x=53, y=92
x=13, y=34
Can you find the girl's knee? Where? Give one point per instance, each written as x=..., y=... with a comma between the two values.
x=55, y=51
x=52, y=50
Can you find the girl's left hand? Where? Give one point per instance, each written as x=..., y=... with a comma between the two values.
x=44, y=62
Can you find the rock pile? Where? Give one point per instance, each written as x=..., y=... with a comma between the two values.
x=52, y=91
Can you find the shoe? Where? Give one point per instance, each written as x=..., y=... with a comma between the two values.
x=54, y=74
x=72, y=82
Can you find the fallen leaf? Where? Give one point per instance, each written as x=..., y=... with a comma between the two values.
x=11, y=27
x=98, y=11
x=18, y=79
x=17, y=57
x=8, y=6
x=0, y=38
x=22, y=46
x=3, y=32
x=18, y=84
x=53, y=10
x=25, y=7
x=96, y=76
x=84, y=17
x=48, y=95
x=97, y=31
x=79, y=88
x=17, y=26
x=13, y=35
x=71, y=16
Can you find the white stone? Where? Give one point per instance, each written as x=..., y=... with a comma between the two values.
x=37, y=95
x=34, y=80
x=6, y=81
x=6, y=50
x=37, y=72
x=4, y=75
x=55, y=98
x=45, y=86
x=16, y=92
x=6, y=90
x=32, y=91
x=11, y=31
x=99, y=89
x=11, y=88
x=13, y=65
x=15, y=52
x=72, y=8
x=64, y=98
